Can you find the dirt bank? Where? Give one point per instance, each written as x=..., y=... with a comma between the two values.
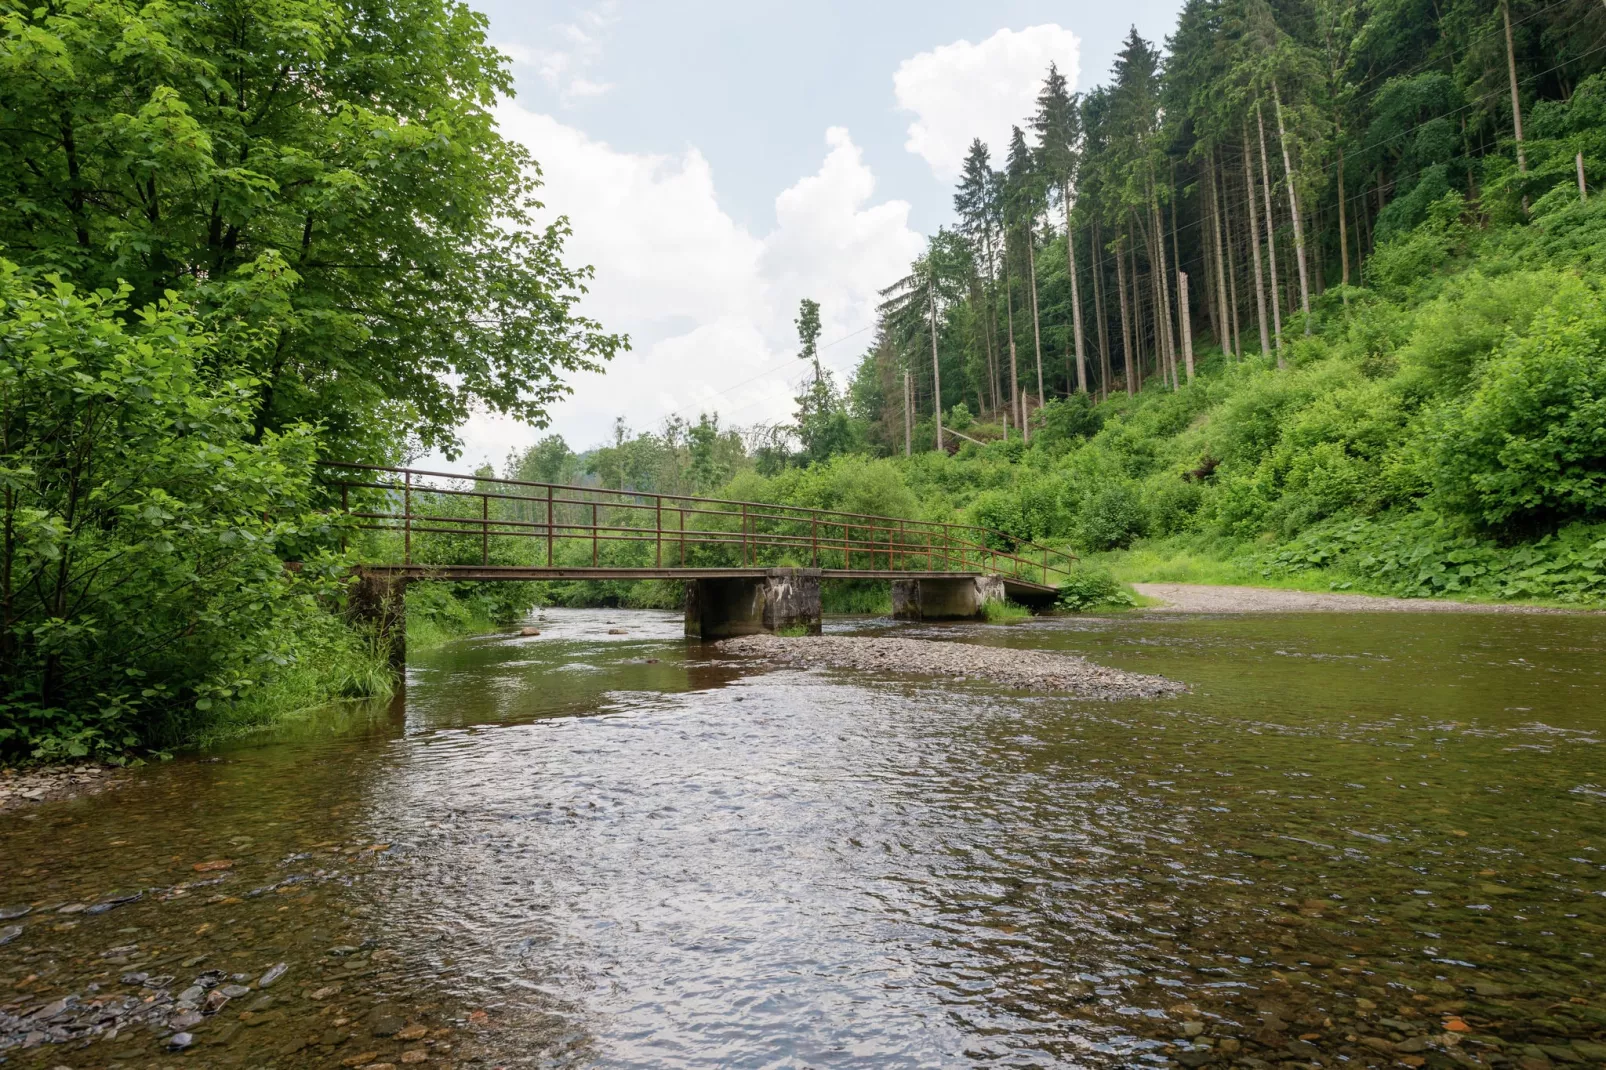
x=1194, y=598
x=1027, y=670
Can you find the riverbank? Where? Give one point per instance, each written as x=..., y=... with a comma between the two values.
x=1202, y=598
x=1025, y=670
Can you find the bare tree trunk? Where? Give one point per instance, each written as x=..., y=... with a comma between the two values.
x=1126, y=325
x=908, y=416
x=936, y=368
x=1099, y=314
x=1037, y=332
x=1583, y=190
x=1187, y=322
x=1076, y=296
x=1516, y=100
x=1343, y=232
x=1232, y=264
x=1163, y=293
x=1223, y=316
x=1139, y=351
x=1014, y=373
x=1271, y=242
x=991, y=318
x=1293, y=210
x=1254, y=241
x=1162, y=356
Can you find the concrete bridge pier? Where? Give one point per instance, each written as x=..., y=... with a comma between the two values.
x=783, y=598
x=960, y=598
x=379, y=601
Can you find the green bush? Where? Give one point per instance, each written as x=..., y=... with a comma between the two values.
x=1088, y=587
x=1527, y=448
x=146, y=527
x=1111, y=516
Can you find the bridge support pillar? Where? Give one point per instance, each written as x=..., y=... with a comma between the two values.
x=780, y=600
x=379, y=601
x=960, y=598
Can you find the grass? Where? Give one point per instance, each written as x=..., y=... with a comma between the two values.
x=856, y=598
x=1214, y=562
x=793, y=631
x=336, y=674
x=1002, y=611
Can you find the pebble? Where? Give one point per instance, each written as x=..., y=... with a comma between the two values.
x=10, y=933
x=16, y=910
x=274, y=973
x=180, y=1041
x=1028, y=670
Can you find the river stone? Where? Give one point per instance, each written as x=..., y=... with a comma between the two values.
x=10, y=933
x=15, y=910
x=186, y=1020
x=385, y=1022
x=274, y=973
x=1413, y=1045
x=192, y=995
x=180, y=1041
x=234, y=991
x=1194, y=1058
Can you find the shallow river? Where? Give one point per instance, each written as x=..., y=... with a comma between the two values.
x=1360, y=839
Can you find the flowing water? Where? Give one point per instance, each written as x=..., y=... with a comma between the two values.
x=1362, y=839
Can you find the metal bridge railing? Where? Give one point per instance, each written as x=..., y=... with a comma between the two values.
x=444, y=518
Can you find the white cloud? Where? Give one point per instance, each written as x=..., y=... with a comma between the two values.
x=565, y=68
x=708, y=303
x=962, y=91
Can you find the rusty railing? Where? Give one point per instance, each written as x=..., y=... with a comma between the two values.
x=444, y=518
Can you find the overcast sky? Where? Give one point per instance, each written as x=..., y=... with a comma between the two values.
x=721, y=159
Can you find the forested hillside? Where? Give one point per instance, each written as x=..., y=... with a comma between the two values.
x=1312, y=294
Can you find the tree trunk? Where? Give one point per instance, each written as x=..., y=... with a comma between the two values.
x=936, y=368
x=908, y=416
x=1126, y=324
x=1076, y=295
x=1230, y=240
x=1293, y=210
x=992, y=316
x=1099, y=313
x=1226, y=320
x=1014, y=372
x=1187, y=322
x=1343, y=230
x=1271, y=243
x=1163, y=292
x=1254, y=241
x=1516, y=100
x=1037, y=332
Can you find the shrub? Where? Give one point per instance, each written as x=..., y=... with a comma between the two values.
x=1087, y=587
x=145, y=527
x=1527, y=451
x=1112, y=516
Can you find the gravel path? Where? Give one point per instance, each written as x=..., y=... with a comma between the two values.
x=1027, y=670
x=1195, y=598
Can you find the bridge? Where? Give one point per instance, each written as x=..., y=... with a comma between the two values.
x=747, y=566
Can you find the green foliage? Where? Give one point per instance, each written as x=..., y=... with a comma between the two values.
x=1090, y=587
x=145, y=527
x=1112, y=516
x=1526, y=449
x=322, y=180
x=1003, y=611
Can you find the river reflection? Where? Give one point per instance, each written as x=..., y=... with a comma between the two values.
x=1370, y=839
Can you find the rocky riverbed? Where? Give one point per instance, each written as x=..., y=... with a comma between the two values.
x=1025, y=670
x=19, y=788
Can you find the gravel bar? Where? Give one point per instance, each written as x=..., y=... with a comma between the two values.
x=1026, y=670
